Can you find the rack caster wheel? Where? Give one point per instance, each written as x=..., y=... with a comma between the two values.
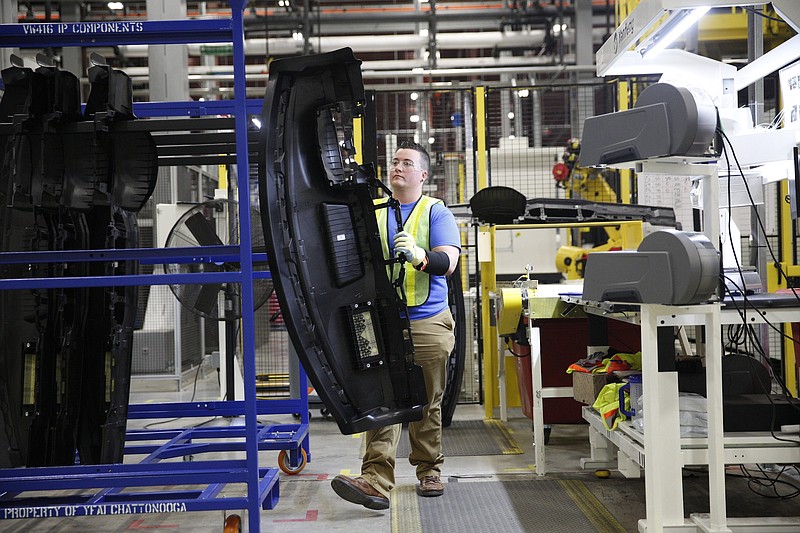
x=286, y=468
x=233, y=524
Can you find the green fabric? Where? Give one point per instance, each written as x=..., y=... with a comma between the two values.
x=416, y=284
x=607, y=404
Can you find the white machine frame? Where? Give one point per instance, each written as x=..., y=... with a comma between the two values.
x=616, y=57
x=663, y=484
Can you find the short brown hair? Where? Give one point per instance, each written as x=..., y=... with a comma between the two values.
x=411, y=145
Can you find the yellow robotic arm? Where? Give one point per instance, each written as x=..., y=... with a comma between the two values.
x=586, y=184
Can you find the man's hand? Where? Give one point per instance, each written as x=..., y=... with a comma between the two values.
x=405, y=244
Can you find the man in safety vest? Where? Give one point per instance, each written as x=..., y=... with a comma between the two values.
x=431, y=244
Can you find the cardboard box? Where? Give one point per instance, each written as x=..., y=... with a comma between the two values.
x=586, y=387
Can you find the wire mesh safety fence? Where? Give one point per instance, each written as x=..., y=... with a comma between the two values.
x=530, y=130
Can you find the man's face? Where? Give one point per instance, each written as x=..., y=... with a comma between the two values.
x=405, y=170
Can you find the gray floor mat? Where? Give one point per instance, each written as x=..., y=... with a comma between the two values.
x=547, y=506
x=470, y=437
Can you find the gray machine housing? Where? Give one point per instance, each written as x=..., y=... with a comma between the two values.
x=669, y=267
x=665, y=121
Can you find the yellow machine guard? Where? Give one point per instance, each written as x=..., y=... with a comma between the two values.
x=509, y=311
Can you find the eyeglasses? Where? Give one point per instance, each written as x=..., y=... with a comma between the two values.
x=405, y=163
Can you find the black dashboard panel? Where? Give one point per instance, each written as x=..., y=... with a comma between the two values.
x=67, y=182
x=341, y=310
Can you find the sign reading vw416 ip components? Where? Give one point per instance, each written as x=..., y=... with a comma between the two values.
x=121, y=32
x=82, y=28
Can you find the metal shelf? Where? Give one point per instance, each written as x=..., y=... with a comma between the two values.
x=107, y=482
x=662, y=440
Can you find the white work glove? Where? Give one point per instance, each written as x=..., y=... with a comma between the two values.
x=405, y=244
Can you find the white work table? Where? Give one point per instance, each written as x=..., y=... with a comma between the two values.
x=544, y=305
x=662, y=440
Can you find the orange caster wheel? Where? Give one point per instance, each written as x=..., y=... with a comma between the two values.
x=233, y=524
x=283, y=462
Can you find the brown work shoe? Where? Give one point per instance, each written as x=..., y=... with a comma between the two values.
x=430, y=486
x=359, y=491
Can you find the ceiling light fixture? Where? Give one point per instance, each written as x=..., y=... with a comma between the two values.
x=116, y=6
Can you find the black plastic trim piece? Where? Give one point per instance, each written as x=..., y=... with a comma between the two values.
x=294, y=186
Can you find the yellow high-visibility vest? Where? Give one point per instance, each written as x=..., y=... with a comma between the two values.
x=417, y=285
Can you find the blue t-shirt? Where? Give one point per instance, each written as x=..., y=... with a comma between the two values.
x=443, y=231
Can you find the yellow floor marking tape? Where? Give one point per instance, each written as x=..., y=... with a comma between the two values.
x=507, y=443
x=531, y=468
x=591, y=507
x=405, y=510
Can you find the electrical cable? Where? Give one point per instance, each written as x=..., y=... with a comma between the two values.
x=763, y=481
x=512, y=352
x=776, y=262
x=747, y=331
x=763, y=15
x=776, y=122
x=766, y=363
x=754, y=482
x=194, y=392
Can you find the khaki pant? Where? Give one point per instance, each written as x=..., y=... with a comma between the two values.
x=433, y=342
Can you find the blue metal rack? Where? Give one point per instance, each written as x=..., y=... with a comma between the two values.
x=106, y=483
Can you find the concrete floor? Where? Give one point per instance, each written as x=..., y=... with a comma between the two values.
x=307, y=503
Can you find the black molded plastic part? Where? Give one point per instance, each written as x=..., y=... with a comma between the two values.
x=456, y=361
x=498, y=205
x=112, y=93
x=108, y=342
x=294, y=186
x=342, y=248
x=65, y=353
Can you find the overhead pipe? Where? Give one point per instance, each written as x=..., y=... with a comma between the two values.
x=333, y=12
x=397, y=74
x=389, y=68
x=385, y=43
x=392, y=15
